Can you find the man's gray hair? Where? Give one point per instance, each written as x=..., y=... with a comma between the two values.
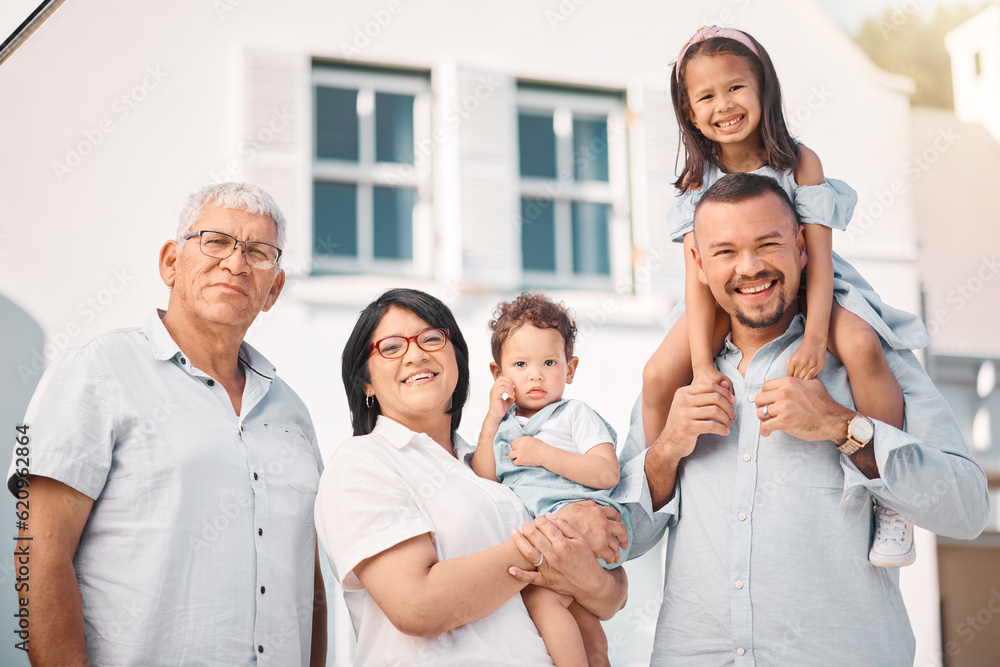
x=237, y=196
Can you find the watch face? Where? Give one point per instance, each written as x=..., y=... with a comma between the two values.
x=862, y=429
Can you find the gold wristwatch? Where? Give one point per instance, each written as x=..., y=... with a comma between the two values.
x=860, y=431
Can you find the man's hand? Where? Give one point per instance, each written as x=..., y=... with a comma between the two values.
x=528, y=451
x=601, y=526
x=569, y=566
x=696, y=409
x=801, y=408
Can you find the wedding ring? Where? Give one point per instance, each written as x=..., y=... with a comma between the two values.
x=766, y=416
x=541, y=559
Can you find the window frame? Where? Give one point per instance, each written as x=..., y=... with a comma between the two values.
x=565, y=104
x=367, y=174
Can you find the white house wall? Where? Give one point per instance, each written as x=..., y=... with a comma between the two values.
x=112, y=114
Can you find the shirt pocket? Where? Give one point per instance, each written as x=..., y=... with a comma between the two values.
x=292, y=458
x=814, y=465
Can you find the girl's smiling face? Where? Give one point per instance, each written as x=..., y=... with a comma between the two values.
x=723, y=98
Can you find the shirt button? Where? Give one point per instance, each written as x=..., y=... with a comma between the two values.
x=211, y=383
x=260, y=531
x=743, y=517
x=750, y=398
x=261, y=590
x=183, y=361
x=739, y=585
x=260, y=649
x=746, y=457
x=741, y=651
x=255, y=476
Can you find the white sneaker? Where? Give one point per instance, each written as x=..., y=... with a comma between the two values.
x=893, y=545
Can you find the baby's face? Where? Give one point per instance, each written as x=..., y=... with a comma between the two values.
x=535, y=361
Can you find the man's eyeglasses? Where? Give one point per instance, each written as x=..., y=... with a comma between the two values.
x=220, y=246
x=394, y=347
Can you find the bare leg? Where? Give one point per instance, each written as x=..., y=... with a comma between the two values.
x=669, y=369
x=557, y=626
x=594, y=640
x=875, y=389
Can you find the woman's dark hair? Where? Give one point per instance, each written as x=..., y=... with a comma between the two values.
x=354, y=362
x=780, y=150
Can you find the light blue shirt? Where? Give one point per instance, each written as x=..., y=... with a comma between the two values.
x=767, y=559
x=199, y=549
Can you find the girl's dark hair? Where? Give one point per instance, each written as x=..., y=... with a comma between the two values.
x=354, y=362
x=780, y=150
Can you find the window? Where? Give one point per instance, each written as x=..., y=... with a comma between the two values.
x=370, y=188
x=572, y=182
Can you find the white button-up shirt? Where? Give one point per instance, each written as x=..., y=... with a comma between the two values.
x=383, y=488
x=200, y=545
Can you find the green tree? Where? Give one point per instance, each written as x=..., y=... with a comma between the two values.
x=903, y=42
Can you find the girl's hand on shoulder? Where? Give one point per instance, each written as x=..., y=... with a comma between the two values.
x=499, y=405
x=711, y=375
x=807, y=361
x=528, y=451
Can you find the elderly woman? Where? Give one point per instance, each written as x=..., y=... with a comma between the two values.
x=422, y=546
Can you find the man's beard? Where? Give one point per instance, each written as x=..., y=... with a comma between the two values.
x=757, y=319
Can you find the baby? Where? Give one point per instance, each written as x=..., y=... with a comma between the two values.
x=550, y=451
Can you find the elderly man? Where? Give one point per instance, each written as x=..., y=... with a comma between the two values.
x=172, y=474
x=768, y=491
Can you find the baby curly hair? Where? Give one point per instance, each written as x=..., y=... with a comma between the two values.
x=533, y=308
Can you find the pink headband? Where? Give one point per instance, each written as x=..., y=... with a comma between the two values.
x=710, y=31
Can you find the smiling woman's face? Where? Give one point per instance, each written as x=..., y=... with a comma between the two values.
x=415, y=389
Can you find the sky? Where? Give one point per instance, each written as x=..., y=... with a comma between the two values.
x=852, y=14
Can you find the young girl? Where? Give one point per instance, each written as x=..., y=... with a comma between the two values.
x=728, y=104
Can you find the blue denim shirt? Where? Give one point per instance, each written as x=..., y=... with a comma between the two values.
x=767, y=559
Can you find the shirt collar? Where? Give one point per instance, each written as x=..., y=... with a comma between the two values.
x=399, y=436
x=165, y=348
x=795, y=328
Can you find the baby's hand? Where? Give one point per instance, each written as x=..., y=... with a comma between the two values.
x=711, y=375
x=499, y=405
x=528, y=451
x=807, y=361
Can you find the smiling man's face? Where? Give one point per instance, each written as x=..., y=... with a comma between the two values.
x=750, y=254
